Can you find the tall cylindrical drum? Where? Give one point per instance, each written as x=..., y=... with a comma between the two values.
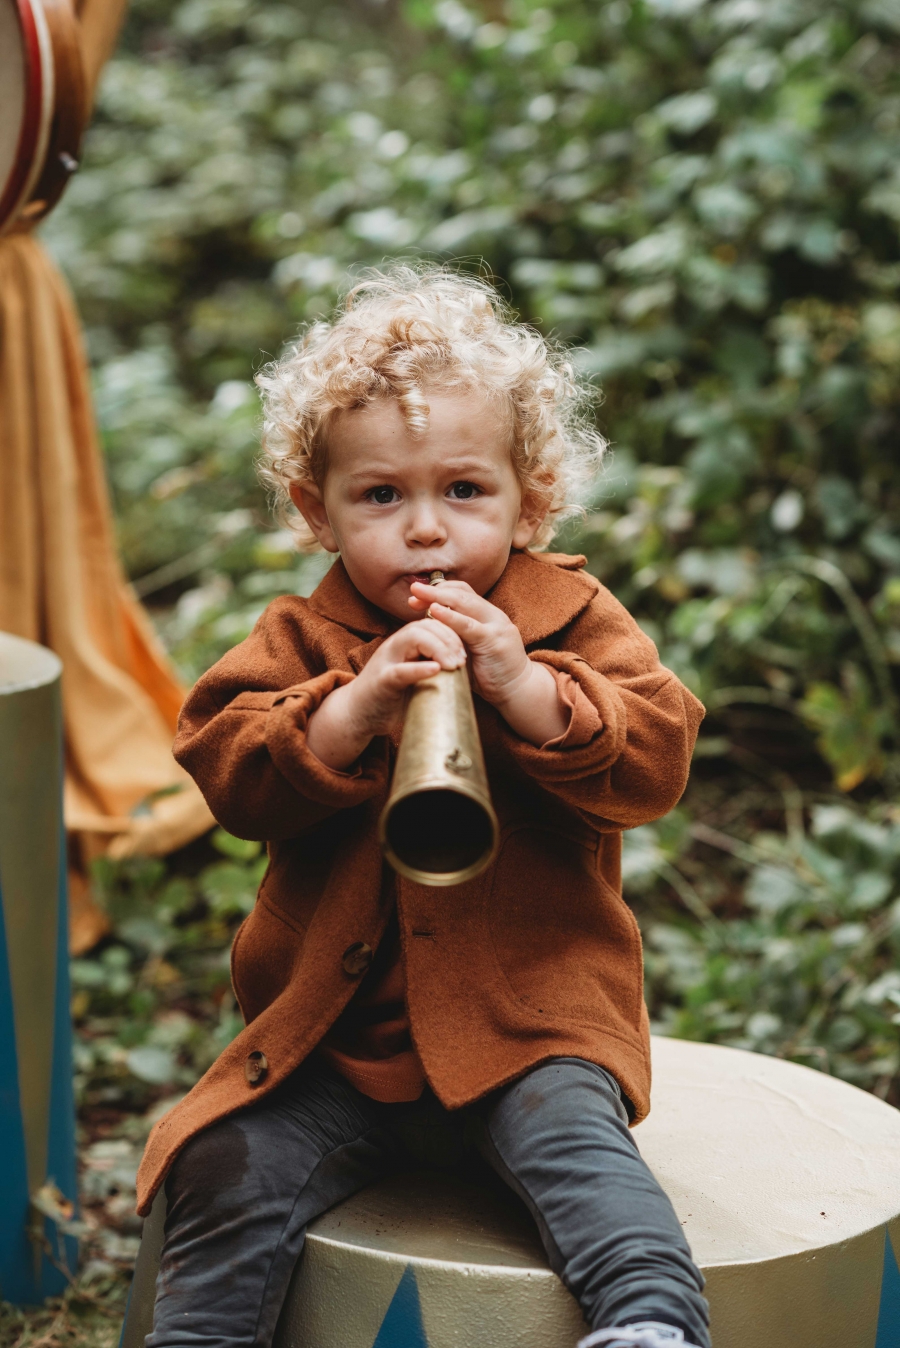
x=786, y=1181
x=37, y=1124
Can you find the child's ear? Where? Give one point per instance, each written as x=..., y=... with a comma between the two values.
x=307, y=497
x=531, y=517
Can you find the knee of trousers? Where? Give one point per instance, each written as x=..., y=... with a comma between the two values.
x=558, y=1093
x=212, y=1169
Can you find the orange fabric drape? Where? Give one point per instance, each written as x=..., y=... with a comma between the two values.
x=99, y=22
x=60, y=579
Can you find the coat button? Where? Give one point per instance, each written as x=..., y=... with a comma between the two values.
x=356, y=958
x=256, y=1067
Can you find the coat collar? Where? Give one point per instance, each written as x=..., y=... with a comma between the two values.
x=541, y=592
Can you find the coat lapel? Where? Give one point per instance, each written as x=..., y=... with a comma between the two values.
x=337, y=599
x=541, y=592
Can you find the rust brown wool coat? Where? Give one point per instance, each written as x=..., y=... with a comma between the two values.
x=537, y=957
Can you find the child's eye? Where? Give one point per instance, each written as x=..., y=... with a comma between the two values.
x=464, y=491
x=381, y=495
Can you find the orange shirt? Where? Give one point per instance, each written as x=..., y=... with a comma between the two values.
x=370, y=1043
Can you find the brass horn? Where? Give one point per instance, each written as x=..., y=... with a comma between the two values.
x=438, y=826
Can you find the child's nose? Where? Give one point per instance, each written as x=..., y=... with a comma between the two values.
x=425, y=526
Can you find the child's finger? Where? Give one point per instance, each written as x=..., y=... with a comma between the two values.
x=455, y=594
x=466, y=627
x=414, y=671
x=433, y=641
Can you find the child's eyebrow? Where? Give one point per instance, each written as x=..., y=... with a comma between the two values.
x=470, y=465
x=454, y=467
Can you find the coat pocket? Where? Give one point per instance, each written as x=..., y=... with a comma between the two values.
x=301, y=869
x=567, y=946
x=263, y=957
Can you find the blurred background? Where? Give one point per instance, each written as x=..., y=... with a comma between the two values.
x=705, y=199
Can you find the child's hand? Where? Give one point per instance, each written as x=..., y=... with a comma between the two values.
x=416, y=652
x=374, y=702
x=498, y=659
x=523, y=691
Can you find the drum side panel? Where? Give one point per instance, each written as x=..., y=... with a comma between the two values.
x=827, y=1298
x=16, y=1254
x=889, y=1302
x=30, y=796
x=421, y=1303
x=142, y=1293
x=35, y=1035
x=496, y=1308
x=321, y=1283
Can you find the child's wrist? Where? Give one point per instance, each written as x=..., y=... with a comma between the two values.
x=531, y=708
x=516, y=688
x=357, y=712
x=332, y=733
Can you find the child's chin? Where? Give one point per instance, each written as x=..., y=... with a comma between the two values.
x=395, y=601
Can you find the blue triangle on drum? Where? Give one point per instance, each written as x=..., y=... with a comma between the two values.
x=17, y=1280
x=888, y=1335
x=402, y=1325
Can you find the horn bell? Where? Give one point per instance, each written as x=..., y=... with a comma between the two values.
x=438, y=826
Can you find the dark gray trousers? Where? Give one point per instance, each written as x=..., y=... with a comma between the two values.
x=242, y=1193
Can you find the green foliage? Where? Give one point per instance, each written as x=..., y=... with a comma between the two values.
x=809, y=970
x=702, y=194
x=88, y=1315
x=154, y=1008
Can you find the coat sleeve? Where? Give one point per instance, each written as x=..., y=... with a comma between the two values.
x=626, y=754
x=242, y=736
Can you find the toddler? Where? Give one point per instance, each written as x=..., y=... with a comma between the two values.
x=389, y=1024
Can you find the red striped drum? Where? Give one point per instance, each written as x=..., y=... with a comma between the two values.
x=43, y=107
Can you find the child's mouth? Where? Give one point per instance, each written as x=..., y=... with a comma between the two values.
x=422, y=577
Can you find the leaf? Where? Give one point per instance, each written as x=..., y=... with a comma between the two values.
x=239, y=849
x=660, y=252
x=687, y=113
x=851, y=729
x=152, y=1064
x=52, y=1203
x=232, y=889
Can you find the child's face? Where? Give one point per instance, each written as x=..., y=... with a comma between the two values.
x=398, y=506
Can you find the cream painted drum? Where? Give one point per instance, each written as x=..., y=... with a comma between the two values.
x=37, y=1113
x=787, y=1183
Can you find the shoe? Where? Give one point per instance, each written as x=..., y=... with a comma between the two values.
x=647, y=1334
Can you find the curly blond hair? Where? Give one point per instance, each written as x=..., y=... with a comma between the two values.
x=401, y=332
